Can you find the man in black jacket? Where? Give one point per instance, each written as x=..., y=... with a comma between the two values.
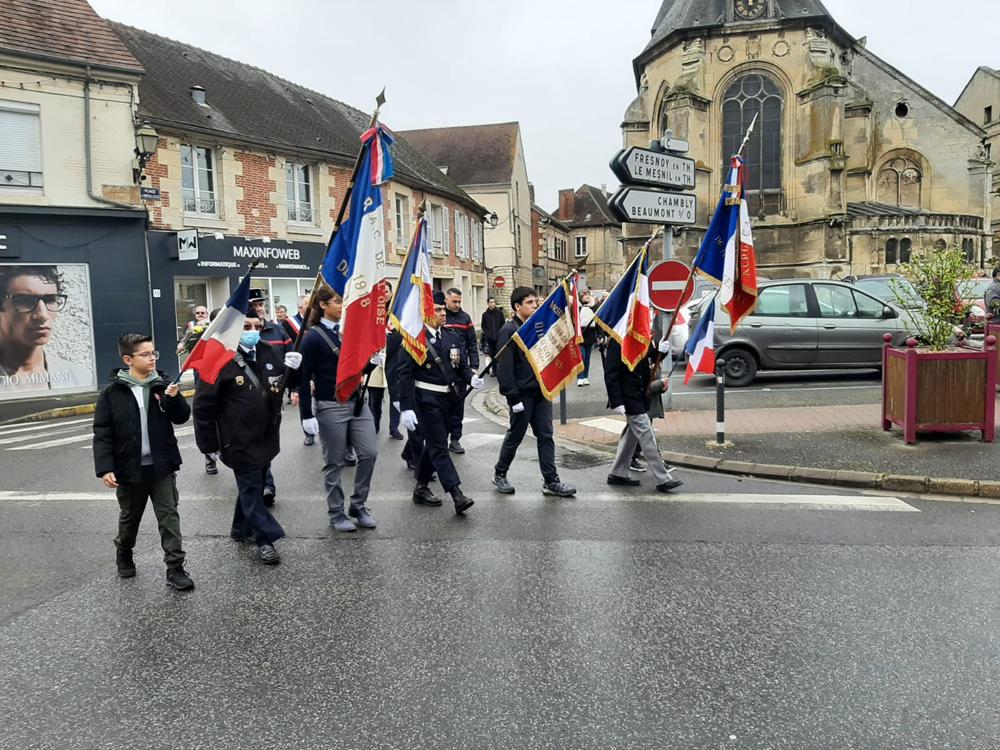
x=135, y=452
x=528, y=405
x=459, y=321
x=429, y=394
x=239, y=417
x=628, y=395
x=491, y=323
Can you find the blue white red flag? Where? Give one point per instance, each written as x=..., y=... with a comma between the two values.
x=412, y=308
x=381, y=164
x=726, y=256
x=354, y=267
x=700, y=347
x=217, y=345
x=625, y=314
x=551, y=337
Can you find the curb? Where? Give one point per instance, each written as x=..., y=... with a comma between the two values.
x=810, y=475
x=65, y=411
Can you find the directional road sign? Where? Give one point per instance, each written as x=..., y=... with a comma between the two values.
x=667, y=282
x=640, y=166
x=641, y=206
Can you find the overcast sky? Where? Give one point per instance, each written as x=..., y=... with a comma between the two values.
x=562, y=68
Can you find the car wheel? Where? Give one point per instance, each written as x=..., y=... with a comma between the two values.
x=741, y=367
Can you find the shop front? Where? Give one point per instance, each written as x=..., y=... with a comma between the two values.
x=185, y=275
x=72, y=281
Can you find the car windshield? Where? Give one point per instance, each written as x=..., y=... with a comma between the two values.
x=972, y=289
x=891, y=290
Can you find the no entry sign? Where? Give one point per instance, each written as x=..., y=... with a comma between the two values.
x=499, y=282
x=666, y=285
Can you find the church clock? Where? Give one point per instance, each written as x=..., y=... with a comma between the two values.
x=749, y=10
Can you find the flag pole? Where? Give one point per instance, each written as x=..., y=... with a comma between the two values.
x=379, y=101
x=421, y=211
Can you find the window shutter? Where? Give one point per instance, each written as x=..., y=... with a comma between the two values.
x=445, y=235
x=429, y=215
x=20, y=144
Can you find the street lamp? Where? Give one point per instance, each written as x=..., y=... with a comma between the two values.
x=493, y=219
x=146, y=141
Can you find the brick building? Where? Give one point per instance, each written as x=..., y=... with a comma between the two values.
x=595, y=235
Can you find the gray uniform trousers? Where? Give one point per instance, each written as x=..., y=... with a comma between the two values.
x=639, y=431
x=338, y=428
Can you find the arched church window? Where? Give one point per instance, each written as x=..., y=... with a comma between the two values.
x=905, y=248
x=664, y=121
x=969, y=248
x=891, y=252
x=747, y=96
x=899, y=183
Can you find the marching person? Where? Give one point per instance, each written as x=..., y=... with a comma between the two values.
x=490, y=325
x=239, y=417
x=393, y=343
x=460, y=321
x=590, y=331
x=528, y=405
x=135, y=453
x=337, y=424
x=429, y=396
x=628, y=396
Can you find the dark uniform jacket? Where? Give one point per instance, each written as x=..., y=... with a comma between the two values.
x=238, y=420
x=393, y=347
x=458, y=378
x=491, y=323
x=319, y=366
x=118, y=430
x=461, y=323
x=274, y=334
x=627, y=387
x=517, y=379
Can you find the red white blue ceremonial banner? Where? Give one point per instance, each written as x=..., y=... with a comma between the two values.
x=217, y=345
x=412, y=308
x=625, y=314
x=551, y=338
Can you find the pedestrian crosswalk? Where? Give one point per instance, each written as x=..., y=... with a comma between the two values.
x=58, y=433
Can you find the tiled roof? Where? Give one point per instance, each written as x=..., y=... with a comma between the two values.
x=252, y=106
x=63, y=30
x=872, y=208
x=590, y=209
x=559, y=224
x=473, y=154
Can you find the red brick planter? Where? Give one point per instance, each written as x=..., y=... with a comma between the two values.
x=948, y=391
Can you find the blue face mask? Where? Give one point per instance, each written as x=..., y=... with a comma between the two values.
x=249, y=339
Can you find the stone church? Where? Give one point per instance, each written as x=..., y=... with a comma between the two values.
x=854, y=168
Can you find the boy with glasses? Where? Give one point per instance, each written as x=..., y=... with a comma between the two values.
x=30, y=299
x=135, y=453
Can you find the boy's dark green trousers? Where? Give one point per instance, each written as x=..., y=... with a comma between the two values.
x=162, y=491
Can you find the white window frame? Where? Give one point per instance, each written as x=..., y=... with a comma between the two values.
x=461, y=248
x=26, y=175
x=446, y=234
x=401, y=209
x=196, y=190
x=435, y=226
x=580, y=245
x=299, y=211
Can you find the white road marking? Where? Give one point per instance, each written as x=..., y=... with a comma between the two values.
x=15, y=429
x=479, y=439
x=867, y=503
x=606, y=423
x=68, y=440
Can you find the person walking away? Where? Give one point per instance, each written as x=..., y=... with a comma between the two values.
x=490, y=325
x=393, y=343
x=991, y=299
x=589, y=336
x=429, y=397
x=135, y=453
x=239, y=418
x=337, y=423
x=460, y=321
x=528, y=406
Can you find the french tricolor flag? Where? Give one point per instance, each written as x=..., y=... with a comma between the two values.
x=625, y=314
x=701, y=347
x=354, y=267
x=412, y=308
x=217, y=345
x=551, y=338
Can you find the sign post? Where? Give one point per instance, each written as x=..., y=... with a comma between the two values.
x=668, y=287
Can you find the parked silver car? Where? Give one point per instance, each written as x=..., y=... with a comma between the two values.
x=807, y=324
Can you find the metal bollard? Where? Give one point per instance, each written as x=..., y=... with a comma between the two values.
x=562, y=406
x=720, y=402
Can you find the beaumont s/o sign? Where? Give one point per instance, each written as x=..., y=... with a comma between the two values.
x=641, y=206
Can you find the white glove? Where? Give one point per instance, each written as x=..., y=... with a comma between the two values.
x=664, y=346
x=395, y=405
x=310, y=426
x=409, y=420
x=619, y=409
x=378, y=359
x=517, y=408
x=293, y=360
x=477, y=382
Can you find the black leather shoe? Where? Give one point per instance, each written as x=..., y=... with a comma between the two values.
x=269, y=497
x=614, y=479
x=211, y=467
x=462, y=501
x=669, y=485
x=395, y=436
x=456, y=447
x=309, y=440
x=422, y=495
x=126, y=568
x=177, y=578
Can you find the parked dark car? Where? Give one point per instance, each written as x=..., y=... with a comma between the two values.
x=807, y=324
x=890, y=287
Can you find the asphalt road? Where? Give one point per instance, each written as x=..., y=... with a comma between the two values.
x=737, y=614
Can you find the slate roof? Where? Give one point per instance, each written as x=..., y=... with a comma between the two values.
x=873, y=208
x=473, y=154
x=590, y=209
x=559, y=224
x=64, y=31
x=254, y=107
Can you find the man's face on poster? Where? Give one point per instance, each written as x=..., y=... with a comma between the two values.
x=18, y=324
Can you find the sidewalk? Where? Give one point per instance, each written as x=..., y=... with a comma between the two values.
x=29, y=410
